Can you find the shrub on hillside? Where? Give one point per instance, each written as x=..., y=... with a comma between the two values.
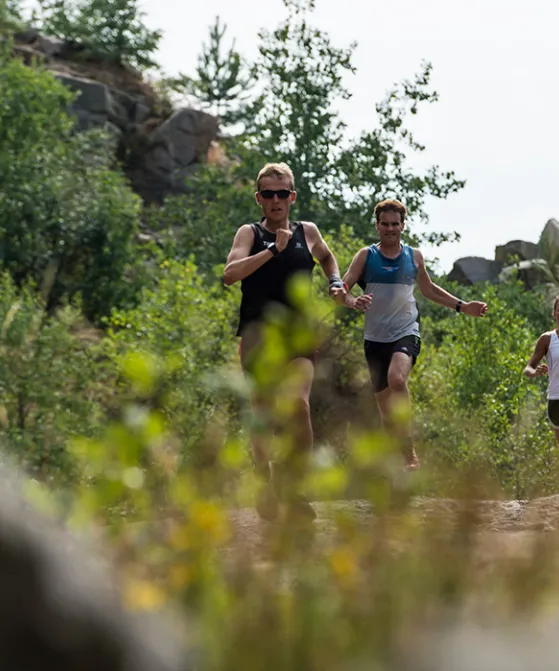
x=190, y=323
x=49, y=382
x=67, y=217
x=112, y=29
x=476, y=409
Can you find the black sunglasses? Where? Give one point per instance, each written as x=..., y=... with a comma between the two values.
x=282, y=194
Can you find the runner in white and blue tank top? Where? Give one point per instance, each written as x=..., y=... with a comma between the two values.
x=393, y=313
x=548, y=346
x=387, y=272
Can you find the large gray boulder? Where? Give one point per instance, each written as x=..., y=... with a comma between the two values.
x=474, y=269
x=160, y=164
x=548, y=244
x=156, y=160
x=157, y=153
x=96, y=105
x=525, y=251
x=58, y=610
x=531, y=273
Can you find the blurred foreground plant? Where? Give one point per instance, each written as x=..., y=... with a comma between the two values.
x=357, y=590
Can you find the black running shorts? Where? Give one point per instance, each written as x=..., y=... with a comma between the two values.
x=251, y=342
x=553, y=412
x=379, y=356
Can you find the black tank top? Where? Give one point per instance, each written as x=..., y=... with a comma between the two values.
x=268, y=284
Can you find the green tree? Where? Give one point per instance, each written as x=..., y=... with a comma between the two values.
x=375, y=165
x=204, y=222
x=223, y=83
x=112, y=28
x=66, y=217
x=302, y=76
x=190, y=323
x=10, y=15
x=338, y=180
x=47, y=380
x=474, y=406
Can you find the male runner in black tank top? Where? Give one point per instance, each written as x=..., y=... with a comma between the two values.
x=264, y=257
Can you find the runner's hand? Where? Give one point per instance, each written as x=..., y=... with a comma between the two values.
x=282, y=238
x=363, y=302
x=541, y=369
x=338, y=295
x=474, y=308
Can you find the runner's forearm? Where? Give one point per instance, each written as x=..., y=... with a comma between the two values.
x=349, y=300
x=238, y=270
x=439, y=295
x=329, y=265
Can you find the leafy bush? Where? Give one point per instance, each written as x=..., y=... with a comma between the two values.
x=66, y=217
x=476, y=408
x=373, y=588
x=189, y=323
x=47, y=382
x=204, y=222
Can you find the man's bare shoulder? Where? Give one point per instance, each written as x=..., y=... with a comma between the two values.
x=245, y=230
x=309, y=226
x=544, y=340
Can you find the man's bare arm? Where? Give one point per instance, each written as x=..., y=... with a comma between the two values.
x=533, y=367
x=437, y=294
x=352, y=276
x=320, y=250
x=239, y=262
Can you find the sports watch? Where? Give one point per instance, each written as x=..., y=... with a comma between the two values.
x=272, y=248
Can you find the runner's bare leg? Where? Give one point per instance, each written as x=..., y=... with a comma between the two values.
x=395, y=400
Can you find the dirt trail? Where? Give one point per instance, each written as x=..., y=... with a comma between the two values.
x=504, y=529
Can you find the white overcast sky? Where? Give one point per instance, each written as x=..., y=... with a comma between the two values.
x=495, y=66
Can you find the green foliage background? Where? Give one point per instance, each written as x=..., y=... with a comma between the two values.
x=120, y=386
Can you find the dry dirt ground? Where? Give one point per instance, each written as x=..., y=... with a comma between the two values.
x=504, y=529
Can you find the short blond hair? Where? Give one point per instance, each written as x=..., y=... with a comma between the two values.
x=391, y=206
x=278, y=170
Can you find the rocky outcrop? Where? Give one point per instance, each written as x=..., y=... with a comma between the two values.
x=524, y=251
x=527, y=261
x=548, y=245
x=474, y=269
x=160, y=161
x=97, y=106
x=530, y=273
x=157, y=147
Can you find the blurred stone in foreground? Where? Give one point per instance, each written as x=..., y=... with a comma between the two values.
x=57, y=609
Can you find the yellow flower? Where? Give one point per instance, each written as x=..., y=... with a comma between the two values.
x=179, y=576
x=142, y=595
x=179, y=539
x=207, y=517
x=344, y=564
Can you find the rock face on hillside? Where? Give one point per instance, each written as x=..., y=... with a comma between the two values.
x=474, y=269
x=157, y=146
x=525, y=251
x=160, y=162
x=528, y=261
x=549, y=239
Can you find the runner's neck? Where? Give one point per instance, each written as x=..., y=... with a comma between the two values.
x=274, y=227
x=391, y=252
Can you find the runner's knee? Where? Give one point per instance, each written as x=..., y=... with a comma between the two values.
x=397, y=382
x=302, y=406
